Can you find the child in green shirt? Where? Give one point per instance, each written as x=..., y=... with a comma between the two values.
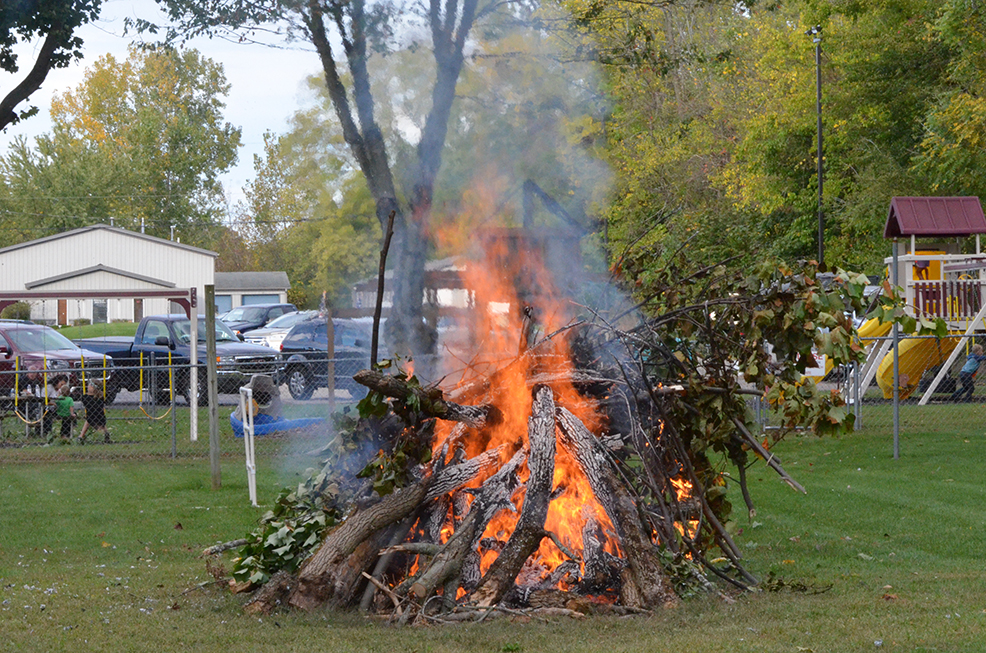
x=64, y=407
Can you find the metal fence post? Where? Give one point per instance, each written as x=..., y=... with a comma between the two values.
x=857, y=396
x=171, y=393
x=896, y=342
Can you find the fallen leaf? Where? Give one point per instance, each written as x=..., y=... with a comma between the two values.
x=179, y=527
x=106, y=544
x=890, y=597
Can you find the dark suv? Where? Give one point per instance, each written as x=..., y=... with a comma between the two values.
x=305, y=355
x=24, y=345
x=253, y=316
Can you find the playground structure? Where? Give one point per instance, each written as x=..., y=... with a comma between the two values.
x=938, y=281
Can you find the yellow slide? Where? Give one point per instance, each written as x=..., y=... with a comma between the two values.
x=916, y=355
x=872, y=328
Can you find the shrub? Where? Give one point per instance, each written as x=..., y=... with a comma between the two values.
x=17, y=311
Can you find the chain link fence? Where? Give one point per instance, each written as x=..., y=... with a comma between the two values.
x=933, y=392
x=151, y=420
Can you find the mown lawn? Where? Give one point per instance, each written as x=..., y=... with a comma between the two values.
x=99, y=330
x=104, y=556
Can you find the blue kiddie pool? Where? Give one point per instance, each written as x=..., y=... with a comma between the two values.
x=266, y=409
x=267, y=424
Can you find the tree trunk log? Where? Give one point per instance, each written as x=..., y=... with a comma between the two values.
x=430, y=400
x=529, y=531
x=453, y=477
x=646, y=585
x=493, y=497
x=318, y=575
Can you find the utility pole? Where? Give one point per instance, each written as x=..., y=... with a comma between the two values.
x=816, y=34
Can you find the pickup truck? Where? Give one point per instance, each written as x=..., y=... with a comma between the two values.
x=26, y=345
x=159, y=335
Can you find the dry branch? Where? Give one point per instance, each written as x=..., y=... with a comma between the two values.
x=431, y=400
x=768, y=457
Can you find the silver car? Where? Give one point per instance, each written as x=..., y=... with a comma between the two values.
x=273, y=334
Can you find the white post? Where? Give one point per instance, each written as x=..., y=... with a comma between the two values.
x=246, y=408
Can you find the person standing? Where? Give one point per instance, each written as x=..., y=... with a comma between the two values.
x=94, y=403
x=64, y=407
x=967, y=374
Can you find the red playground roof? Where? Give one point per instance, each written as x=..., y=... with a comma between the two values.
x=935, y=216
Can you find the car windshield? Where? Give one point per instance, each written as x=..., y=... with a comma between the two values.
x=184, y=328
x=39, y=339
x=246, y=314
x=288, y=320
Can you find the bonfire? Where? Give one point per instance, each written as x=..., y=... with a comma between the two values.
x=545, y=477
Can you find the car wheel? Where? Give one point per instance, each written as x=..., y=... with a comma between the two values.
x=300, y=383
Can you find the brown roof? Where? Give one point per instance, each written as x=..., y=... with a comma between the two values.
x=934, y=216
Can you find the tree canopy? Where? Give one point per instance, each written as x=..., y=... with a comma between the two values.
x=141, y=141
x=54, y=21
x=712, y=135
x=402, y=183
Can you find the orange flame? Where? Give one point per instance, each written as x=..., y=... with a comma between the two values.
x=508, y=277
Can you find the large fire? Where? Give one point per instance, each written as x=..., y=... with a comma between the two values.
x=517, y=308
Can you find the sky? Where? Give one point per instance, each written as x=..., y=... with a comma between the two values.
x=267, y=83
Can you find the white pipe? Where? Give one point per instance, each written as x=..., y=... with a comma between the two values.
x=246, y=408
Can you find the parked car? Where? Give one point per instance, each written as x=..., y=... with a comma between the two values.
x=305, y=353
x=25, y=344
x=159, y=336
x=273, y=334
x=243, y=319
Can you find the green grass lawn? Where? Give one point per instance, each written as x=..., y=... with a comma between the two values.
x=97, y=330
x=104, y=556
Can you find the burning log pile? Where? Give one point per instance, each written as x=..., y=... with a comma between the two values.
x=573, y=476
x=532, y=498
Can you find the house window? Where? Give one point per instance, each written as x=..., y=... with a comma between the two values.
x=99, y=311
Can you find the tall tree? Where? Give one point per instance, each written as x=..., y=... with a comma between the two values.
x=54, y=21
x=365, y=30
x=305, y=215
x=715, y=119
x=142, y=141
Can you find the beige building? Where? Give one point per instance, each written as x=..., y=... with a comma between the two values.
x=98, y=258
x=243, y=288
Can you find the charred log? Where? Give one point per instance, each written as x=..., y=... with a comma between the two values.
x=320, y=578
x=493, y=496
x=529, y=531
x=645, y=583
